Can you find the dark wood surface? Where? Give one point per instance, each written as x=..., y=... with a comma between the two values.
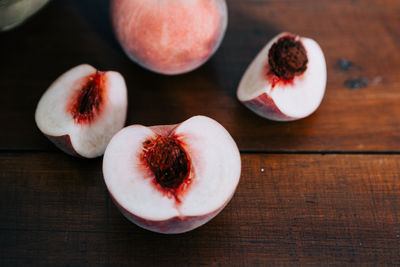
x=323, y=190
x=300, y=209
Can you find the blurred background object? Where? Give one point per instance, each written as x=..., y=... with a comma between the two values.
x=15, y=12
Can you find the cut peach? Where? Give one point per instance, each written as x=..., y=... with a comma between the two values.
x=287, y=79
x=82, y=110
x=172, y=178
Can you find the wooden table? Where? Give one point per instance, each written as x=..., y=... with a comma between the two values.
x=322, y=190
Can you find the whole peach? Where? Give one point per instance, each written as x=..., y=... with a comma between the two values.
x=169, y=36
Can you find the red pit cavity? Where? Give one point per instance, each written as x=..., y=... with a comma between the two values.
x=87, y=102
x=287, y=58
x=169, y=163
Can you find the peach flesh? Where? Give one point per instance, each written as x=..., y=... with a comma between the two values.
x=287, y=88
x=169, y=37
x=212, y=178
x=82, y=110
x=84, y=107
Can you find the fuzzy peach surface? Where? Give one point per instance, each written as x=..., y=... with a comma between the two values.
x=169, y=37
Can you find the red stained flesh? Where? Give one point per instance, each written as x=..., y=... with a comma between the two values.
x=275, y=80
x=87, y=102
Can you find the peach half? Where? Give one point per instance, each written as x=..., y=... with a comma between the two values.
x=172, y=178
x=287, y=79
x=82, y=110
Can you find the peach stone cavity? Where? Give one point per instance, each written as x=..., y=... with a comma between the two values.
x=275, y=98
x=205, y=180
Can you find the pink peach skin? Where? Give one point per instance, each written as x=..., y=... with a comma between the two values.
x=169, y=36
x=175, y=225
x=63, y=142
x=264, y=106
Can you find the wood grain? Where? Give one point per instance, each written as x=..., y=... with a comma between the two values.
x=67, y=33
x=320, y=191
x=289, y=209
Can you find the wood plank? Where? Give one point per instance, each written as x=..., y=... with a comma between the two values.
x=67, y=33
x=289, y=209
